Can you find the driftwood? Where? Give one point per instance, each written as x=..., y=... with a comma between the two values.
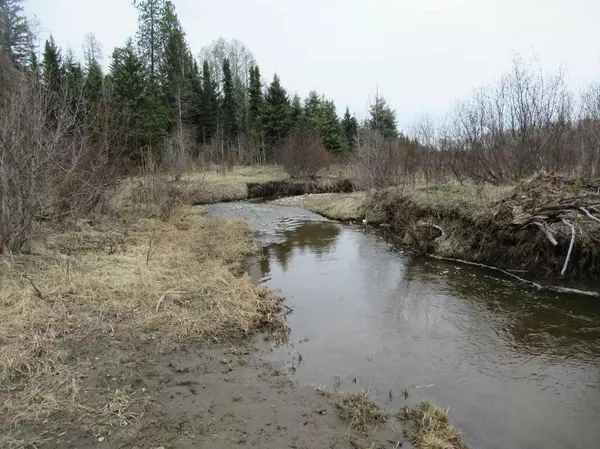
x=546, y=230
x=573, y=233
x=540, y=287
x=434, y=226
x=585, y=211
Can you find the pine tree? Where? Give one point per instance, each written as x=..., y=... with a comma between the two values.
x=209, y=106
x=52, y=67
x=383, y=119
x=176, y=70
x=312, y=110
x=130, y=83
x=256, y=103
x=73, y=74
x=34, y=65
x=15, y=35
x=149, y=35
x=350, y=125
x=296, y=113
x=330, y=128
x=276, y=114
x=94, y=79
x=229, y=107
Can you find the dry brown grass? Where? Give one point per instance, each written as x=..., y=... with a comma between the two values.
x=361, y=413
x=178, y=280
x=432, y=430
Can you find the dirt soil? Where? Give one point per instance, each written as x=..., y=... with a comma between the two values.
x=188, y=396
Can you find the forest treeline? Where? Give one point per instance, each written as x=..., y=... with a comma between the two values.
x=68, y=126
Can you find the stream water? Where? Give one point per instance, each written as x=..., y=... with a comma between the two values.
x=517, y=368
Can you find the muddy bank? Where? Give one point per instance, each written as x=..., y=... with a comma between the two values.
x=174, y=395
x=545, y=228
x=289, y=188
x=199, y=192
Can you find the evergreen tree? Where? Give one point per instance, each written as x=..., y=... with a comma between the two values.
x=149, y=35
x=275, y=114
x=296, y=113
x=94, y=79
x=73, y=74
x=129, y=84
x=15, y=34
x=73, y=85
x=330, y=128
x=312, y=110
x=242, y=103
x=209, y=106
x=52, y=66
x=350, y=126
x=256, y=103
x=229, y=108
x=383, y=119
x=34, y=65
x=176, y=70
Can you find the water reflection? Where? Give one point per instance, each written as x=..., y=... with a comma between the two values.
x=518, y=368
x=318, y=238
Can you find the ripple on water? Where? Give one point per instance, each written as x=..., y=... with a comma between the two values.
x=517, y=368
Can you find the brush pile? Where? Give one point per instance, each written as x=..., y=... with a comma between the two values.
x=565, y=211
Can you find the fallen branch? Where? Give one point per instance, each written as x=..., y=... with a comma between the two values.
x=544, y=228
x=434, y=226
x=573, y=233
x=540, y=287
x=490, y=267
x=585, y=211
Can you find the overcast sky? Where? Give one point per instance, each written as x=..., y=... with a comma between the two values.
x=423, y=54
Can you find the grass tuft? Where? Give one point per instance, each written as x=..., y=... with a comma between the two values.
x=361, y=413
x=432, y=430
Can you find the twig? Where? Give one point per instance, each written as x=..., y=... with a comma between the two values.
x=546, y=231
x=164, y=296
x=290, y=310
x=573, y=233
x=37, y=290
x=585, y=211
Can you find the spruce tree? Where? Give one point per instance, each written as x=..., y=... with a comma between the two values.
x=383, y=119
x=229, y=105
x=330, y=128
x=312, y=110
x=256, y=103
x=129, y=84
x=149, y=35
x=276, y=114
x=296, y=113
x=350, y=125
x=15, y=35
x=176, y=69
x=209, y=106
x=73, y=75
x=52, y=67
x=94, y=79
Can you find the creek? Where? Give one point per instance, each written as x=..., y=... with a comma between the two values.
x=517, y=368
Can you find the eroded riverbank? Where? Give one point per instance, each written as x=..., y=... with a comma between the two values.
x=539, y=230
